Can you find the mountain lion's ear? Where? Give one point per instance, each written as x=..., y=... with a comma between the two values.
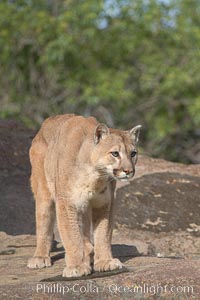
x=101, y=132
x=135, y=132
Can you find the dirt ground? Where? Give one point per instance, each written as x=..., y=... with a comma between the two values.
x=156, y=234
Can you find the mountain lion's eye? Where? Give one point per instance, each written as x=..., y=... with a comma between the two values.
x=133, y=153
x=115, y=153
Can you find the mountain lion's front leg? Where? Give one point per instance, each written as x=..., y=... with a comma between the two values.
x=103, y=260
x=87, y=236
x=72, y=239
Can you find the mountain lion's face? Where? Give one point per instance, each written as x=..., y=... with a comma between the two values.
x=115, y=153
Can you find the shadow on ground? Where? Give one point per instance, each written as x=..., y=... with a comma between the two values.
x=122, y=251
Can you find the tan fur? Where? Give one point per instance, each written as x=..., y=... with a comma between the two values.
x=73, y=177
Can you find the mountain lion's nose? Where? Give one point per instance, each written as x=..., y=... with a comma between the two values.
x=127, y=171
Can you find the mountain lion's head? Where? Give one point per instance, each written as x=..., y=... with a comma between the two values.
x=115, y=152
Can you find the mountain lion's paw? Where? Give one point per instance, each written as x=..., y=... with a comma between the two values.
x=77, y=271
x=39, y=262
x=108, y=265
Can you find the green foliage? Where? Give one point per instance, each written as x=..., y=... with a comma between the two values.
x=138, y=59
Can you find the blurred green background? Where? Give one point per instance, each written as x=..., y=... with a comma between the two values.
x=125, y=62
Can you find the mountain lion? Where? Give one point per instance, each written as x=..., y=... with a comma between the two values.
x=75, y=164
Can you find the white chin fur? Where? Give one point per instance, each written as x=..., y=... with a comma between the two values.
x=123, y=179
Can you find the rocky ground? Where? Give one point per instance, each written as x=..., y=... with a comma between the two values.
x=156, y=235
